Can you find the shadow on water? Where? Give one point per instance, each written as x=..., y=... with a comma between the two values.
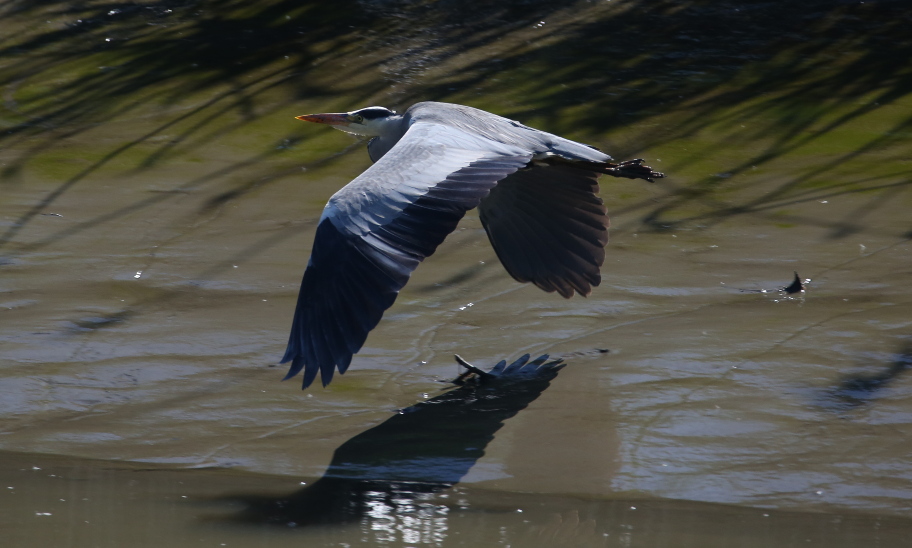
x=806, y=69
x=859, y=389
x=420, y=451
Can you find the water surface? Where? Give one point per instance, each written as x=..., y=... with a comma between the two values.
x=159, y=203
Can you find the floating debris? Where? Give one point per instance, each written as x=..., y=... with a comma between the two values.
x=586, y=353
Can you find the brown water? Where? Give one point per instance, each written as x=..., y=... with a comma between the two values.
x=159, y=201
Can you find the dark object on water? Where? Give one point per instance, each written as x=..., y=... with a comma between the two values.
x=536, y=194
x=795, y=287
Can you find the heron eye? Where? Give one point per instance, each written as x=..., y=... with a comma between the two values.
x=359, y=118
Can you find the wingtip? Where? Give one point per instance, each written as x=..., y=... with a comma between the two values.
x=293, y=369
x=310, y=375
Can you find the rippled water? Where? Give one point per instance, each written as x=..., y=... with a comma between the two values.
x=155, y=226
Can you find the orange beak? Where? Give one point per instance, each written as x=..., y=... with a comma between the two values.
x=331, y=119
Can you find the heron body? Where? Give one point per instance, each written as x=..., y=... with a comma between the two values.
x=537, y=199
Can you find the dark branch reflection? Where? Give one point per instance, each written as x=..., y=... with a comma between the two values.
x=797, y=70
x=394, y=467
x=859, y=389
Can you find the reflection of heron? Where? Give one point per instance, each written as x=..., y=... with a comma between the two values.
x=433, y=163
x=421, y=450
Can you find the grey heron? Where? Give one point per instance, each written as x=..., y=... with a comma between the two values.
x=537, y=199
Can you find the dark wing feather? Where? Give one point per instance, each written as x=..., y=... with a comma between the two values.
x=375, y=232
x=549, y=227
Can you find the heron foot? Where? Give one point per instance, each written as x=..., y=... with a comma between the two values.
x=471, y=372
x=634, y=169
x=523, y=369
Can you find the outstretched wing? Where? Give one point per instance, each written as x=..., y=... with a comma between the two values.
x=375, y=231
x=549, y=227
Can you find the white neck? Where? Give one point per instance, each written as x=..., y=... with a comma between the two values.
x=380, y=127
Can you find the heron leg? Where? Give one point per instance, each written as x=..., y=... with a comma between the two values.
x=633, y=169
x=521, y=371
x=471, y=373
x=628, y=169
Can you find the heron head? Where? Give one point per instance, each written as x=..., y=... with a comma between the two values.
x=366, y=121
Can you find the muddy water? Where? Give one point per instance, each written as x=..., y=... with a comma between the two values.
x=158, y=206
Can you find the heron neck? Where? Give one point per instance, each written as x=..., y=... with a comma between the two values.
x=390, y=133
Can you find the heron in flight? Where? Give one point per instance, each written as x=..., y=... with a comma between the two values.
x=536, y=194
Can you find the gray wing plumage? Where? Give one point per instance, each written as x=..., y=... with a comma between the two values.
x=504, y=130
x=549, y=227
x=378, y=228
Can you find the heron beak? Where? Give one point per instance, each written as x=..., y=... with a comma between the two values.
x=331, y=119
